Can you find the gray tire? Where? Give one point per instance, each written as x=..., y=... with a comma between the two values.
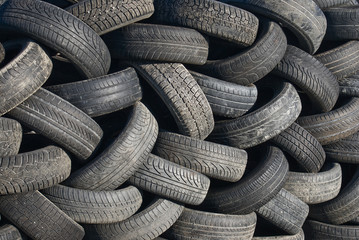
x=298, y=236
x=315, y=230
x=349, y=86
x=10, y=137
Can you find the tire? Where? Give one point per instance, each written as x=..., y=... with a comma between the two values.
x=9, y=232
x=24, y=74
x=330, y=3
x=226, y=99
x=263, y=123
x=170, y=180
x=304, y=19
x=182, y=96
x=253, y=190
x=10, y=137
x=214, y=160
x=194, y=224
x=298, y=236
x=315, y=230
x=302, y=146
x=2, y=53
x=60, y=121
x=253, y=63
x=313, y=188
x=341, y=209
x=108, y=15
x=210, y=17
x=349, y=3
x=311, y=76
x=342, y=23
x=349, y=86
x=39, y=218
x=342, y=61
x=344, y=151
x=102, y=95
x=335, y=125
x=158, y=43
x=147, y=224
x=123, y=157
x=95, y=207
x=34, y=170
x=68, y=35
x=285, y=211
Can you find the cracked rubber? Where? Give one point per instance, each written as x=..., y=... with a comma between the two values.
x=10, y=137
x=345, y=150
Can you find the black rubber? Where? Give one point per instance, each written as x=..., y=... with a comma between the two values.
x=335, y=125
x=212, y=159
x=107, y=15
x=147, y=224
x=253, y=190
x=302, y=146
x=120, y=160
x=315, y=230
x=298, y=236
x=305, y=19
x=210, y=17
x=95, y=207
x=345, y=150
x=67, y=34
x=194, y=224
x=158, y=43
x=2, y=52
x=102, y=95
x=60, y=121
x=263, y=123
x=24, y=74
x=9, y=232
x=10, y=137
x=253, y=63
x=311, y=76
x=342, y=61
x=182, y=95
x=285, y=211
x=330, y=3
x=39, y=218
x=349, y=86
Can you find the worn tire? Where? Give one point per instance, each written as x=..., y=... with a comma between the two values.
x=24, y=74
x=39, y=218
x=95, y=207
x=311, y=76
x=102, y=95
x=315, y=230
x=344, y=151
x=10, y=137
x=253, y=63
x=349, y=86
x=263, y=123
x=9, y=232
x=158, y=43
x=214, y=160
x=298, y=236
x=253, y=190
x=210, y=17
x=107, y=15
x=68, y=35
x=2, y=52
x=182, y=95
x=60, y=121
x=330, y=3
x=194, y=224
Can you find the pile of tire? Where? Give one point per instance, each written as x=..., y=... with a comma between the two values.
x=179, y=119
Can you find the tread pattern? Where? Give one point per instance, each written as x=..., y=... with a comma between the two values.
x=345, y=151
x=34, y=170
x=24, y=74
x=193, y=224
x=210, y=17
x=214, y=160
x=120, y=160
x=302, y=146
x=10, y=137
x=170, y=180
x=310, y=75
x=182, y=95
x=298, y=236
x=226, y=99
x=39, y=218
x=313, y=188
x=285, y=211
x=67, y=34
x=9, y=232
x=2, y=53
x=263, y=123
x=148, y=224
x=60, y=121
x=321, y=231
x=102, y=95
x=330, y=3
x=253, y=63
x=158, y=43
x=349, y=86
x=104, y=16
x=95, y=207
x=253, y=190
x=335, y=125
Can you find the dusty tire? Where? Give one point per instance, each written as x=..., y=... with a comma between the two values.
x=349, y=86
x=9, y=232
x=2, y=53
x=315, y=230
x=344, y=151
x=330, y=3
x=10, y=137
x=298, y=236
